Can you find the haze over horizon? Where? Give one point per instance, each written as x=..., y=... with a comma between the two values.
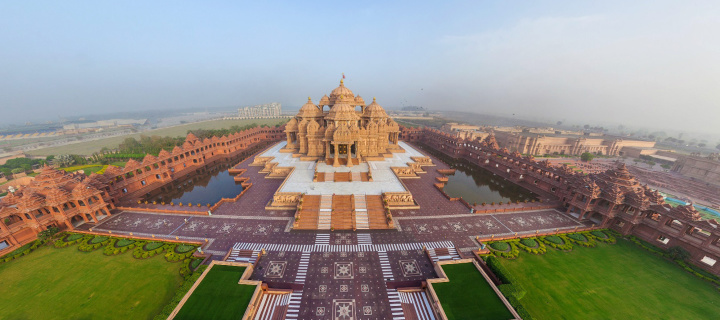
x=651, y=63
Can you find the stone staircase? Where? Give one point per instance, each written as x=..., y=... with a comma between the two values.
x=361, y=216
x=376, y=212
x=309, y=213
x=324, y=221
x=342, y=214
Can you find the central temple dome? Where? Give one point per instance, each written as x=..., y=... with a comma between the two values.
x=342, y=90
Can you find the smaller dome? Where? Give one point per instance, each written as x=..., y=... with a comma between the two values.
x=309, y=109
x=374, y=110
x=359, y=101
x=342, y=111
x=324, y=100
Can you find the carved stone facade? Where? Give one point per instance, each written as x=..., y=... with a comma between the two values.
x=349, y=129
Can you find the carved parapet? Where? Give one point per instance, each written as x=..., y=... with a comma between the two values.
x=442, y=179
x=284, y=201
x=423, y=161
x=416, y=167
x=261, y=161
x=404, y=172
x=269, y=166
x=279, y=172
x=241, y=179
x=399, y=200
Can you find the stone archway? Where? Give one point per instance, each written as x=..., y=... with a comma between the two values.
x=76, y=220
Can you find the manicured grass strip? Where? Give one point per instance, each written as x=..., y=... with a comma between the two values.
x=65, y=283
x=619, y=281
x=468, y=295
x=218, y=296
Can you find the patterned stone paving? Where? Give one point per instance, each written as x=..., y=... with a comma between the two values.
x=339, y=284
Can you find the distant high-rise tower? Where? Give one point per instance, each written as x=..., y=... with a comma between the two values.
x=269, y=110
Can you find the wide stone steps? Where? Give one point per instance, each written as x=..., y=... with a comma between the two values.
x=361, y=217
x=325, y=214
x=341, y=212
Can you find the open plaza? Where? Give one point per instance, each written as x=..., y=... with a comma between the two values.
x=344, y=214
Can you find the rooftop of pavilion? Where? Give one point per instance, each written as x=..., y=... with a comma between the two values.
x=301, y=179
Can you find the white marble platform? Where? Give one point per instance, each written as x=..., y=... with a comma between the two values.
x=384, y=180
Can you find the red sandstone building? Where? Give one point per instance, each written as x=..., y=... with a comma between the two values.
x=60, y=199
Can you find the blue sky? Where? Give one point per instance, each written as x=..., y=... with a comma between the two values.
x=571, y=60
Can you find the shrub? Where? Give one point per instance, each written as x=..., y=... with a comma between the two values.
x=511, y=290
x=124, y=242
x=500, y=246
x=678, y=253
x=577, y=237
x=555, y=239
x=529, y=242
x=599, y=234
x=557, y=242
x=73, y=237
x=98, y=239
x=179, y=294
x=153, y=245
x=182, y=248
x=538, y=248
x=506, y=277
x=195, y=263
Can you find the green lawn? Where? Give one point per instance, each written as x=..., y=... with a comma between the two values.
x=65, y=283
x=620, y=281
x=88, y=147
x=218, y=296
x=468, y=295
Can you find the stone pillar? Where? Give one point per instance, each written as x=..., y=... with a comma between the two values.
x=95, y=219
x=336, y=161
x=349, y=155
x=712, y=238
x=69, y=224
x=606, y=220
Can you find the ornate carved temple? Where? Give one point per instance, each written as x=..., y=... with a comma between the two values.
x=348, y=130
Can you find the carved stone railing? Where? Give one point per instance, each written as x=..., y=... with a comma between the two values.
x=284, y=201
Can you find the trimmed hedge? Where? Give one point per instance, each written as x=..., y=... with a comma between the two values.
x=529, y=242
x=577, y=237
x=557, y=242
x=539, y=248
x=512, y=253
x=73, y=237
x=98, y=239
x=182, y=248
x=500, y=246
x=23, y=251
x=124, y=242
x=511, y=288
x=153, y=245
x=179, y=294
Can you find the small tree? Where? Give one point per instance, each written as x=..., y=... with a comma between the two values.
x=587, y=156
x=47, y=234
x=678, y=253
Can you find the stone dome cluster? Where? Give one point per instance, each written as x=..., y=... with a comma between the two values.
x=348, y=125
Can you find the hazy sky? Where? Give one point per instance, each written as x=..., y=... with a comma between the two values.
x=652, y=62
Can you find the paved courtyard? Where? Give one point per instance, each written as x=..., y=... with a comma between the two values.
x=339, y=275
